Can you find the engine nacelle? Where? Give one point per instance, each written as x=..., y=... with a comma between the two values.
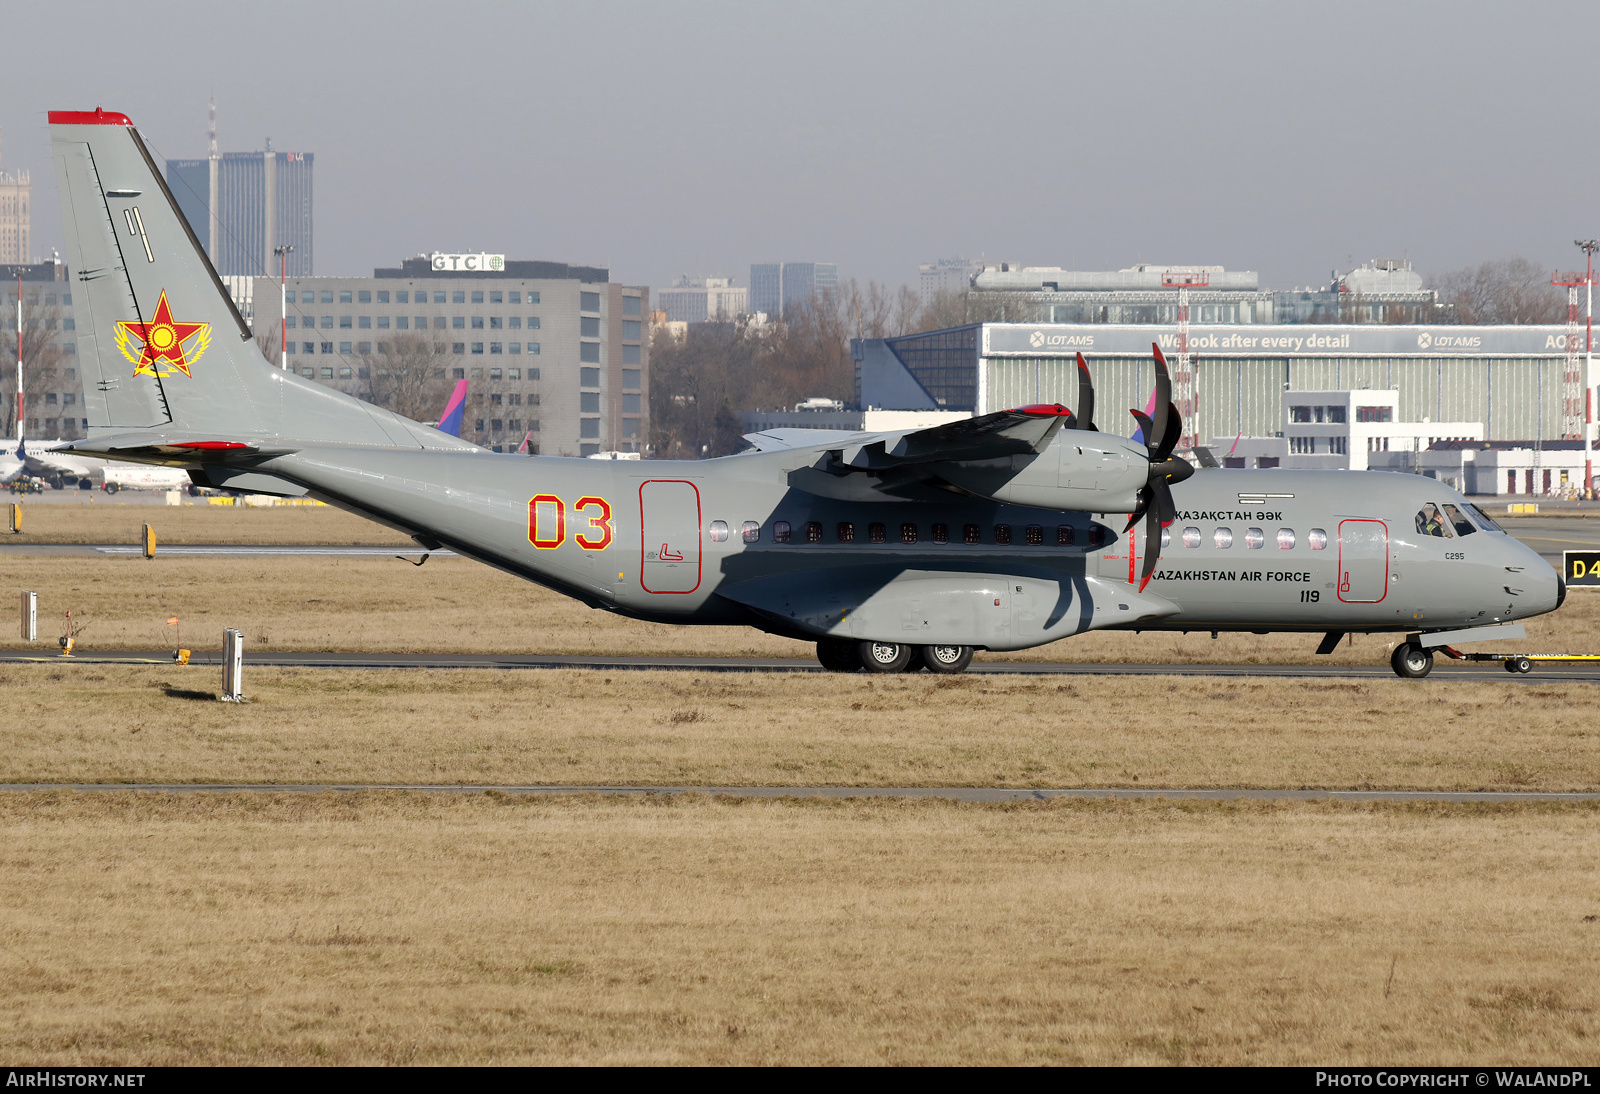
x=1080, y=471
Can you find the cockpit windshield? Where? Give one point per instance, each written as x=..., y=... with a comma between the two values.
x=1483, y=521
x=1463, y=526
x=1431, y=522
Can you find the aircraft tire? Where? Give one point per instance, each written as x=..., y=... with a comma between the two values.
x=946, y=659
x=85, y=484
x=1411, y=662
x=884, y=657
x=55, y=482
x=839, y=655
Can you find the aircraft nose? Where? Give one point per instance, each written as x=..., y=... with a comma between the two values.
x=1561, y=588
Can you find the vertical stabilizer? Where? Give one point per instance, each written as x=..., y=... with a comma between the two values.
x=161, y=345
x=454, y=410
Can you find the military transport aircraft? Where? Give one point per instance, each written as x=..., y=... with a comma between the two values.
x=891, y=551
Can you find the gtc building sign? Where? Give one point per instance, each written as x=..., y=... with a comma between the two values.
x=443, y=262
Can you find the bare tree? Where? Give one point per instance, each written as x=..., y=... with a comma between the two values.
x=406, y=378
x=1507, y=290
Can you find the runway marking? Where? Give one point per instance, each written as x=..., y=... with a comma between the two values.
x=1581, y=673
x=952, y=793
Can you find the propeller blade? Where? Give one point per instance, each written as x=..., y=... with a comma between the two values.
x=1163, y=399
x=1146, y=426
x=1152, y=546
x=1164, y=509
x=1085, y=396
x=1174, y=433
x=1138, y=512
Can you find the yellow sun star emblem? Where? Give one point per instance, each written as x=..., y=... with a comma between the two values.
x=165, y=346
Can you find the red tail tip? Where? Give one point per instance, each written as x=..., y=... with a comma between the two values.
x=97, y=116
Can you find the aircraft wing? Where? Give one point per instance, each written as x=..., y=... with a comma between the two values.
x=1025, y=431
x=776, y=440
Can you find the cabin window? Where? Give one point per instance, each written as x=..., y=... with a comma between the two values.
x=1002, y=534
x=1097, y=536
x=780, y=531
x=1223, y=538
x=1254, y=539
x=1166, y=538
x=751, y=531
x=1462, y=524
x=1431, y=522
x=1033, y=535
x=718, y=531
x=1191, y=537
x=813, y=531
x=1317, y=539
x=908, y=533
x=970, y=534
x=940, y=533
x=845, y=532
x=1285, y=539
x=1064, y=535
x=876, y=532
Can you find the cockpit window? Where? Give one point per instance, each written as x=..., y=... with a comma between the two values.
x=1483, y=521
x=1463, y=526
x=1431, y=522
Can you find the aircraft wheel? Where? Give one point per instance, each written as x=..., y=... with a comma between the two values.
x=837, y=655
x=884, y=656
x=85, y=484
x=1411, y=662
x=55, y=483
x=947, y=659
x=1518, y=664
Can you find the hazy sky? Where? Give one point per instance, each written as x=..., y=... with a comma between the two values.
x=659, y=138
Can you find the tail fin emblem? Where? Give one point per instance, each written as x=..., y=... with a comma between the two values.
x=165, y=346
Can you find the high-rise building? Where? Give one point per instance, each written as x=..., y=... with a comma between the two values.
x=14, y=235
x=948, y=275
x=775, y=287
x=703, y=299
x=241, y=205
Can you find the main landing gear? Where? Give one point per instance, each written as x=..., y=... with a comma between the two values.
x=1411, y=662
x=842, y=655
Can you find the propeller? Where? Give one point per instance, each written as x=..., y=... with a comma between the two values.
x=1161, y=436
x=1085, y=397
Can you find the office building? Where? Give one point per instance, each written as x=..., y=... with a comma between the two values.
x=948, y=275
x=778, y=286
x=50, y=374
x=703, y=299
x=15, y=239
x=554, y=354
x=241, y=205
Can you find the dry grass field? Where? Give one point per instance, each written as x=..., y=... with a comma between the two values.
x=455, y=605
x=109, y=519
x=101, y=723
x=389, y=928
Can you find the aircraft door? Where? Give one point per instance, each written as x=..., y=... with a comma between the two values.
x=1363, y=561
x=669, y=520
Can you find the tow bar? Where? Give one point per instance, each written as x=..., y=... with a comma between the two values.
x=1520, y=662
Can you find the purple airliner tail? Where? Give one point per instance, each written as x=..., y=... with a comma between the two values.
x=450, y=420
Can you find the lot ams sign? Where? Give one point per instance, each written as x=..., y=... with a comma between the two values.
x=473, y=262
